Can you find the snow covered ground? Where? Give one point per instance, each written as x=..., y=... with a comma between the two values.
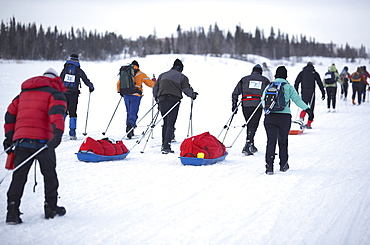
x=150, y=198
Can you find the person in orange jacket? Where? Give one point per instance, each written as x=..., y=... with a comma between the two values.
x=132, y=101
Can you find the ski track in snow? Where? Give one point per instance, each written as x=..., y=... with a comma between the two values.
x=151, y=198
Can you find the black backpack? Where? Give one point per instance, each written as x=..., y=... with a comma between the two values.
x=275, y=98
x=329, y=77
x=126, y=78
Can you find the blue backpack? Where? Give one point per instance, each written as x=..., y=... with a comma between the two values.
x=70, y=76
x=275, y=98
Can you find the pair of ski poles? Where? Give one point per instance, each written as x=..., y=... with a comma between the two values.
x=228, y=123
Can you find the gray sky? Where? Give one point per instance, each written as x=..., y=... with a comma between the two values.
x=325, y=20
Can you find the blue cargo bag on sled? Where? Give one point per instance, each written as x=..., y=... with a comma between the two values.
x=202, y=149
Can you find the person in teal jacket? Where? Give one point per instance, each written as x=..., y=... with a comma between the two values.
x=277, y=123
x=331, y=86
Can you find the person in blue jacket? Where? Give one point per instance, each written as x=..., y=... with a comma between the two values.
x=277, y=123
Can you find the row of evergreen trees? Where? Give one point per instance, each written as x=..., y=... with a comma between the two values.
x=20, y=41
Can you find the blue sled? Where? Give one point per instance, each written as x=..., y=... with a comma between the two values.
x=201, y=161
x=92, y=157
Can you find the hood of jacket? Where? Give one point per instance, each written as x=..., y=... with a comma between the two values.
x=42, y=81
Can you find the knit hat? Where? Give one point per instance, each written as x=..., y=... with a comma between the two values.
x=50, y=72
x=74, y=57
x=281, y=72
x=135, y=63
x=257, y=68
x=309, y=63
x=178, y=65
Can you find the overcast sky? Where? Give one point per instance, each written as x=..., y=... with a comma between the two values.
x=325, y=20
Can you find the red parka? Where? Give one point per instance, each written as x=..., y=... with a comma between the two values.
x=37, y=110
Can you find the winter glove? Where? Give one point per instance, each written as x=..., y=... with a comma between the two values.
x=194, y=95
x=323, y=96
x=234, y=108
x=91, y=88
x=310, y=114
x=7, y=143
x=55, y=141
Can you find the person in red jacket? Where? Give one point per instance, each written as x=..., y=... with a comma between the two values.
x=35, y=118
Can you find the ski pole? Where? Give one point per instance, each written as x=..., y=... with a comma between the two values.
x=151, y=132
x=151, y=109
x=112, y=116
x=246, y=124
x=190, y=127
x=87, y=114
x=147, y=130
x=24, y=162
x=228, y=123
x=154, y=123
x=7, y=149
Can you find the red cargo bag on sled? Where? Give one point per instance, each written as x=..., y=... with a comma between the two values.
x=202, y=149
x=92, y=150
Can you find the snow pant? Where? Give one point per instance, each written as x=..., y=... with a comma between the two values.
x=277, y=126
x=363, y=91
x=47, y=162
x=344, y=89
x=356, y=88
x=331, y=93
x=72, y=101
x=132, y=103
x=169, y=120
x=253, y=123
x=308, y=96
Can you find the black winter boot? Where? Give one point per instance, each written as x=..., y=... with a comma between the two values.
x=12, y=217
x=51, y=212
x=284, y=167
x=247, y=149
x=269, y=169
x=166, y=148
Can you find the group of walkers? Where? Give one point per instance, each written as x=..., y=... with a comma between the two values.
x=253, y=89
x=35, y=119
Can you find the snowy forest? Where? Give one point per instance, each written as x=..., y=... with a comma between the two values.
x=27, y=41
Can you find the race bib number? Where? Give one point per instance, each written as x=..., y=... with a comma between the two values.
x=69, y=78
x=255, y=84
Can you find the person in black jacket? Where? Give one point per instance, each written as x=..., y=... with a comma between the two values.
x=251, y=88
x=168, y=91
x=307, y=77
x=71, y=75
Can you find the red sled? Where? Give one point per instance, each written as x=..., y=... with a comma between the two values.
x=296, y=131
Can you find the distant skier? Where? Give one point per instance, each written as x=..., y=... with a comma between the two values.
x=330, y=81
x=251, y=88
x=358, y=80
x=344, y=75
x=71, y=75
x=307, y=77
x=366, y=75
x=267, y=72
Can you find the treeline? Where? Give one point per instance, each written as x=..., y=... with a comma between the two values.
x=20, y=41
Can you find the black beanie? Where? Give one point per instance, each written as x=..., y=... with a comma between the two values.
x=257, y=68
x=135, y=63
x=178, y=65
x=74, y=57
x=281, y=72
